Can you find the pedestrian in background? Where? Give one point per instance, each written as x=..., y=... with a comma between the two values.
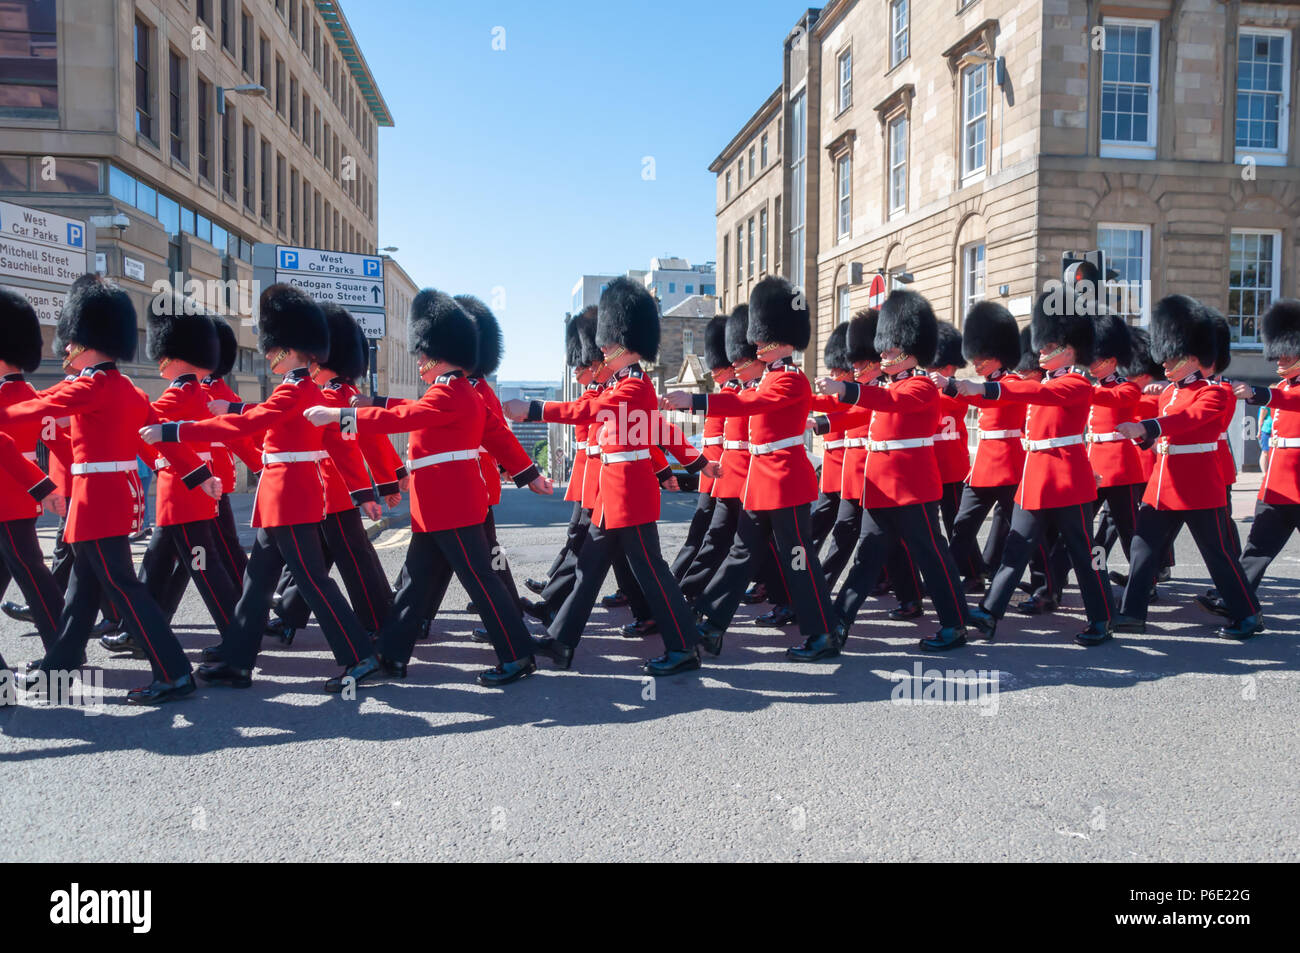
x=1265, y=435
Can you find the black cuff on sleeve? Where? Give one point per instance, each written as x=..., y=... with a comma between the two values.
x=1153, y=431
x=197, y=478
x=992, y=390
x=821, y=424
x=698, y=464
x=388, y=489
x=171, y=432
x=534, y=411
x=1259, y=396
x=378, y=400
x=950, y=388
x=236, y=408
x=664, y=474
x=852, y=390
x=41, y=490
x=700, y=403
x=527, y=476
x=401, y=473
x=364, y=496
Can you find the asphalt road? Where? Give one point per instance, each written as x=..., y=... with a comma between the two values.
x=1170, y=746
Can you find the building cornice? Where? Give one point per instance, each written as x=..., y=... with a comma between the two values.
x=752, y=125
x=332, y=13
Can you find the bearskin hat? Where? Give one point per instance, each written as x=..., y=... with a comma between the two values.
x=948, y=350
x=1071, y=330
x=227, y=347
x=628, y=315
x=1281, y=329
x=1181, y=326
x=860, y=342
x=1140, y=363
x=1028, y=362
x=715, y=343
x=349, y=355
x=990, y=332
x=1222, y=339
x=580, y=338
x=441, y=329
x=20, y=332
x=186, y=337
x=289, y=318
x=907, y=322
x=99, y=315
x=1112, y=337
x=836, y=355
x=778, y=314
x=491, y=343
x=739, y=347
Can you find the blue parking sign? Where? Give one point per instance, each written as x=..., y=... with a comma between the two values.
x=288, y=259
x=76, y=235
x=371, y=267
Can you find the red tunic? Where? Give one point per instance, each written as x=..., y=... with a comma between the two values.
x=1148, y=406
x=1000, y=454
x=224, y=452
x=907, y=410
x=1058, y=410
x=1282, y=479
x=184, y=399
x=487, y=463
x=735, y=447
x=15, y=501
x=780, y=473
x=951, y=446
x=376, y=450
x=1191, y=414
x=22, y=483
x=107, y=413
x=711, y=446
x=580, y=431
x=1223, y=456
x=1116, y=461
x=832, y=442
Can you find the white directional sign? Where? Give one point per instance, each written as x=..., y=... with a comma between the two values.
x=41, y=255
x=314, y=261
x=48, y=305
x=349, y=292
x=41, y=228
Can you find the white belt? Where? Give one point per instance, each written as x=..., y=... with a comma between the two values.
x=1283, y=443
x=109, y=466
x=953, y=435
x=1105, y=437
x=30, y=455
x=215, y=444
x=1177, y=448
x=579, y=445
x=296, y=456
x=911, y=443
x=625, y=456
x=712, y=442
x=1051, y=443
x=593, y=449
x=853, y=442
x=1000, y=434
x=758, y=449
x=164, y=463
x=735, y=445
x=444, y=457
x=833, y=444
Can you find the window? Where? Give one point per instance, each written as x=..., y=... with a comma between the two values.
x=306, y=120
x=264, y=58
x=228, y=151
x=279, y=194
x=728, y=185
x=974, y=119
x=1128, y=252
x=762, y=241
x=1253, y=281
x=246, y=43
x=688, y=341
x=1263, y=85
x=672, y=287
x=266, y=181
x=29, y=77
x=143, y=94
x=844, y=196
x=293, y=17
x=972, y=275
x=1129, y=88
x=176, y=105
x=203, y=10
x=328, y=153
x=204, y=143
x=726, y=260
x=750, y=259
x=899, y=18
x=293, y=204
x=751, y=162
x=763, y=152
x=227, y=21
x=898, y=165
x=740, y=255
x=279, y=85
x=798, y=171
x=250, y=201
x=842, y=305
x=293, y=103
x=845, y=72
x=740, y=174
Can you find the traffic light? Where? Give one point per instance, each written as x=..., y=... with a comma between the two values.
x=1086, y=274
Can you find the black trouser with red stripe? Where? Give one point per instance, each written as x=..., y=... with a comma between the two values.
x=500, y=565
x=570, y=534
x=232, y=550
x=639, y=545
x=348, y=549
x=299, y=548
x=822, y=517
x=560, y=584
x=1073, y=525
x=950, y=504
x=21, y=558
x=61, y=558
x=1274, y=523
x=796, y=561
x=700, y=520
x=1122, y=504
x=715, y=545
x=625, y=579
x=1212, y=530
x=182, y=552
x=100, y=568
x=431, y=560
x=843, y=538
x=976, y=502
x=918, y=529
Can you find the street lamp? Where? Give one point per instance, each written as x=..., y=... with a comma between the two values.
x=251, y=89
x=389, y=248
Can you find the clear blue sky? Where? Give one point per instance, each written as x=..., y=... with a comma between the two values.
x=521, y=169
